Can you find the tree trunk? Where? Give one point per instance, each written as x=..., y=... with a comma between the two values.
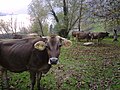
x=55, y=16
x=41, y=28
x=65, y=10
x=80, y=15
x=63, y=33
x=53, y=12
x=115, y=36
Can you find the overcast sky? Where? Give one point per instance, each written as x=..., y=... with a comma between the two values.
x=14, y=6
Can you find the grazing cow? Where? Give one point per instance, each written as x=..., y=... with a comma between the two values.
x=74, y=33
x=99, y=35
x=83, y=35
x=35, y=55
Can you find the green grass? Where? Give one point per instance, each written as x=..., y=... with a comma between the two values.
x=81, y=68
x=98, y=27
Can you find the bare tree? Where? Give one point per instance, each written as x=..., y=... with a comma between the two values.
x=4, y=27
x=80, y=14
x=38, y=11
x=67, y=13
x=52, y=11
x=71, y=12
x=106, y=10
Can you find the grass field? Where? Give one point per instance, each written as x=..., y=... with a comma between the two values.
x=81, y=67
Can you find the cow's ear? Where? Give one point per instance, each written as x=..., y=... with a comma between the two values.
x=40, y=45
x=66, y=43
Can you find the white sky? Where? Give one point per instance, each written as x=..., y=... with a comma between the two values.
x=12, y=6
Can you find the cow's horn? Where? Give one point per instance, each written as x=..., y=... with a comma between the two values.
x=40, y=45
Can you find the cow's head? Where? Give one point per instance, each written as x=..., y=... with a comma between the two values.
x=53, y=44
x=107, y=34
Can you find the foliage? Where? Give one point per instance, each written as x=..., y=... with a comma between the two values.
x=35, y=28
x=9, y=26
x=12, y=26
x=107, y=11
x=81, y=68
x=98, y=27
x=71, y=13
x=38, y=12
x=66, y=13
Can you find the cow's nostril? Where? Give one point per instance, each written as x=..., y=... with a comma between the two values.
x=53, y=60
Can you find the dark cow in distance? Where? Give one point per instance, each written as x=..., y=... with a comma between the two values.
x=99, y=35
x=81, y=35
x=35, y=55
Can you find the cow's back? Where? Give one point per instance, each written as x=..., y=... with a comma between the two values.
x=74, y=33
x=98, y=35
x=14, y=56
x=83, y=35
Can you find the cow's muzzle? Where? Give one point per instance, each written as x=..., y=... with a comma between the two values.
x=53, y=60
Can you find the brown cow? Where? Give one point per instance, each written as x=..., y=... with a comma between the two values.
x=33, y=55
x=81, y=35
x=74, y=33
x=99, y=35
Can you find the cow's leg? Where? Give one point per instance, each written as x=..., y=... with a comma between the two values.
x=33, y=79
x=39, y=74
x=98, y=41
x=5, y=81
x=1, y=73
x=87, y=39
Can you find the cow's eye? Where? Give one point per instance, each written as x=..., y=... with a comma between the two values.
x=48, y=47
x=60, y=45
